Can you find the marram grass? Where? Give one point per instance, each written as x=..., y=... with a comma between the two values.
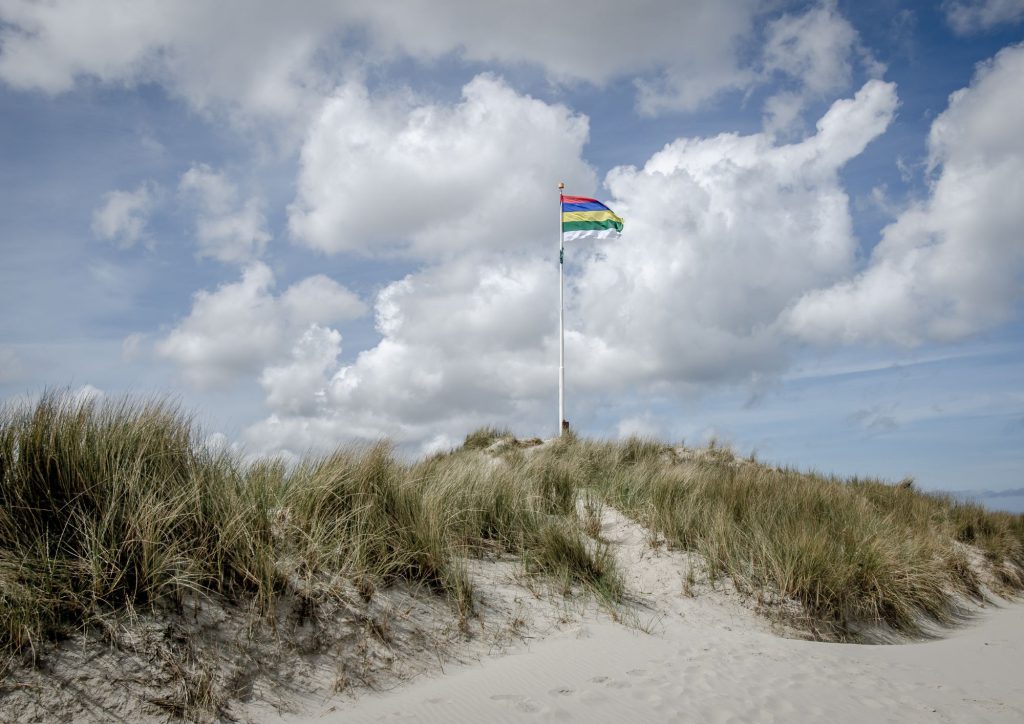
x=109, y=508
x=114, y=507
x=851, y=553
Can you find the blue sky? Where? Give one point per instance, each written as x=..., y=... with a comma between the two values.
x=324, y=224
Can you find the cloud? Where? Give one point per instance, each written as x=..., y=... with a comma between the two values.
x=393, y=176
x=951, y=264
x=242, y=327
x=226, y=229
x=320, y=298
x=463, y=343
x=645, y=426
x=122, y=218
x=682, y=54
x=968, y=17
x=975, y=495
x=815, y=51
x=568, y=42
x=466, y=341
x=297, y=386
x=134, y=346
x=874, y=420
x=783, y=111
x=690, y=296
x=231, y=331
x=713, y=227
x=87, y=393
x=814, y=47
x=193, y=48
x=1008, y=493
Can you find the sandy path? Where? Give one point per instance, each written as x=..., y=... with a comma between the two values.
x=606, y=673
x=710, y=660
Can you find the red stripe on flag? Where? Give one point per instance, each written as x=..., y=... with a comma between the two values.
x=578, y=200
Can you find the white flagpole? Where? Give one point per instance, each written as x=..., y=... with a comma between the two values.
x=561, y=319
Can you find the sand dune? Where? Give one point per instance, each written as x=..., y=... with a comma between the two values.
x=602, y=672
x=709, y=658
x=505, y=580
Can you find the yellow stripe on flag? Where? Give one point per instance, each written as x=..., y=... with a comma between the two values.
x=569, y=216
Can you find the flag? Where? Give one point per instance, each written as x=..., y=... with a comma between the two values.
x=584, y=218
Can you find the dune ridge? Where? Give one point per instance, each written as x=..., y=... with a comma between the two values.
x=145, y=575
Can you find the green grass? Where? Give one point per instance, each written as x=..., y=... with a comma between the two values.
x=110, y=508
x=484, y=437
x=115, y=507
x=849, y=552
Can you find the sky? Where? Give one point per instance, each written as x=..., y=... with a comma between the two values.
x=314, y=224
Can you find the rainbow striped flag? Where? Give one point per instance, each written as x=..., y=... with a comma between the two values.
x=584, y=218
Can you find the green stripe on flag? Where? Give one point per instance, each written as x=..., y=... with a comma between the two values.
x=591, y=225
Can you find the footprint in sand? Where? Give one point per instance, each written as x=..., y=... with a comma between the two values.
x=599, y=679
x=593, y=697
x=518, y=701
x=561, y=691
x=636, y=672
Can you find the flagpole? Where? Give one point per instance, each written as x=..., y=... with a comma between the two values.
x=561, y=318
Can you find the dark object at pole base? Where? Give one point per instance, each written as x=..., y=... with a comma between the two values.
x=565, y=426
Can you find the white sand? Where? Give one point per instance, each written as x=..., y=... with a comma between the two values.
x=708, y=659
x=678, y=650
x=606, y=673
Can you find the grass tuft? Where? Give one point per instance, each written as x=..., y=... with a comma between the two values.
x=117, y=507
x=484, y=437
x=849, y=552
x=109, y=508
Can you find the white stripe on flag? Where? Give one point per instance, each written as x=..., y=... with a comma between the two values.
x=592, y=234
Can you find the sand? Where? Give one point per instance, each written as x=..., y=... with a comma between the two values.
x=710, y=658
x=606, y=673
x=680, y=649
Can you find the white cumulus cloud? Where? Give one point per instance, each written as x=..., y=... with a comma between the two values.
x=391, y=176
x=816, y=52
x=953, y=263
x=722, y=234
x=122, y=218
x=319, y=298
x=464, y=343
x=196, y=49
x=967, y=17
x=87, y=393
x=227, y=228
x=297, y=386
x=682, y=54
x=815, y=47
x=242, y=327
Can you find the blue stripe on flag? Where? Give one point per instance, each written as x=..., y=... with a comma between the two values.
x=594, y=206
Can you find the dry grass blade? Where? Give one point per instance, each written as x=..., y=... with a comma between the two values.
x=117, y=507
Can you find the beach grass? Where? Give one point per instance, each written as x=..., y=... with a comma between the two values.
x=852, y=553
x=115, y=507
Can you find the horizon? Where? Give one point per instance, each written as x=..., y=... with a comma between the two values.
x=326, y=225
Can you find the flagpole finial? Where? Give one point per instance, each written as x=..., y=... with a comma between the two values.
x=561, y=185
